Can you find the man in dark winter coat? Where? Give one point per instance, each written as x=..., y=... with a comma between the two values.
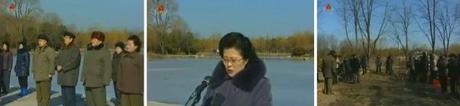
x=433, y=68
x=453, y=73
x=97, y=70
x=424, y=68
x=389, y=65
x=364, y=63
x=329, y=65
x=443, y=69
x=355, y=65
x=118, y=53
x=43, y=69
x=67, y=66
x=131, y=74
x=378, y=64
x=411, y=64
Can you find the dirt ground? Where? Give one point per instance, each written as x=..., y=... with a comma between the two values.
x=378, y=89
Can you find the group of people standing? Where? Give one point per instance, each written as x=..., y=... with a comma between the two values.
x=426, y=68
x=336, y=69
x=100, y=66
x=420, y=66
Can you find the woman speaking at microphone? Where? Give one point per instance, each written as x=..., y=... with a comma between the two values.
x=239, y=79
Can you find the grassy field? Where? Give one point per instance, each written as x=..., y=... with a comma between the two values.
x=378, y=89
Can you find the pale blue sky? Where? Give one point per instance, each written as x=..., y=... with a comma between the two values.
x=251, y=17
x=329, y=23
x=119, y=14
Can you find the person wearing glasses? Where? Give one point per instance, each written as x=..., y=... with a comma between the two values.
x=239, y=78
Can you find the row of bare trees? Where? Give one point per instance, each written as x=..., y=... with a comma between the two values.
x=168, y=33
x=28, y=20
x=368, y=21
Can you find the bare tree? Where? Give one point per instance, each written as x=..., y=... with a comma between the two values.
x=163, y=14
x=344, y=13
x=428, y=14
x=355, y=8
x=350, y=15
x=447, y=23
x=24, y=9
x=401, y=26
x=13, y=27
x=326, y=43
x=361, y=15
x=368, y=7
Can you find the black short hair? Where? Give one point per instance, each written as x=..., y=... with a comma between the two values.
x=136, y=42
x=98, y=35
x=332, y=52
x=69, y=34
x=120, y=45
x=43, y=37
x=240, y=42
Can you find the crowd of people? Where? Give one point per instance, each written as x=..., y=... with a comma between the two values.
x=420, y=67
x=444, y=69
x=336, y=69
x=100, y=66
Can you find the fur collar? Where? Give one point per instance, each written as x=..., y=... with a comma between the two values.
x=245, y=80
x=98, y=47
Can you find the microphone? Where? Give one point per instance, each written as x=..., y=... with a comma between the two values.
x=196, y=95
x=203, y=84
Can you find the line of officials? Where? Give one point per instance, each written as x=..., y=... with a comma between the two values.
x=124, y=67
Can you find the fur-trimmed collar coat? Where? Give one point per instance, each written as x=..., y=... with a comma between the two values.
x=250, y=87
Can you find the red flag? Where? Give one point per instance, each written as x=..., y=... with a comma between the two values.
x=11, y=7
x=328, y=7
x=160, y=8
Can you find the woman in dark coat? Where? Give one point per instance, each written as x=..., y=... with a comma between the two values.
x=22, y=67
x=239, y=79
x=7, y=65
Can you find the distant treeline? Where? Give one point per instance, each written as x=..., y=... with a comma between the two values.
x=27, y=22
x=344, y=49
x=186, y=42
x=168, y=33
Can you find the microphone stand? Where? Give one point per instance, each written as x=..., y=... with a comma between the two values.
x=196, y=95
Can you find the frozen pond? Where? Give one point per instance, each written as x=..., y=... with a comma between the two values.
x=172, y=80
